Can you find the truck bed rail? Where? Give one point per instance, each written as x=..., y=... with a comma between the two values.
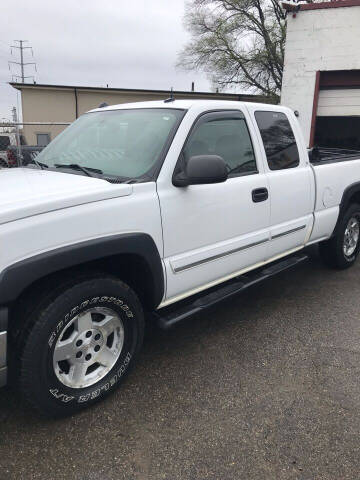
x=323, y=155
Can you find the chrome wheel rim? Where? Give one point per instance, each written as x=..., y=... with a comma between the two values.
x=88, y=347
x=351, y=236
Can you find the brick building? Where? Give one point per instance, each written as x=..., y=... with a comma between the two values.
x=322, y=71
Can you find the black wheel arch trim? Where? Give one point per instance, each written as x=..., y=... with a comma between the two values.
x=19, y=276
x=4, y=315
x=351, y=190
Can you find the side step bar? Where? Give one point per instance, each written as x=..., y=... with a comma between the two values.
x=168, y=317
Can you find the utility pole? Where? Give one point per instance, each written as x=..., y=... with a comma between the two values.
x=20, y=46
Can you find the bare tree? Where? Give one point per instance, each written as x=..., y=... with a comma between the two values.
x=237, y=42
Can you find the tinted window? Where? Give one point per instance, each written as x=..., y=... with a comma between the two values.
x=227, y=137
x=279, y=141
x=4, y=142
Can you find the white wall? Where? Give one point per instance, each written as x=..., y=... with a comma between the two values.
x=324, y=39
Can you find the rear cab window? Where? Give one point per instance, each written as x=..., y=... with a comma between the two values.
x=278, y=139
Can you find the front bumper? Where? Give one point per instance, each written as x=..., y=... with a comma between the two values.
x=3, y=346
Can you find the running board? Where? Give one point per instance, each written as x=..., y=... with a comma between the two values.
x=168, y=316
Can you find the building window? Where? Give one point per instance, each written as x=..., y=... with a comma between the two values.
x=279, y=140
x=42, y=139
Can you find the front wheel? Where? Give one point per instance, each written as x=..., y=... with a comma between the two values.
x=81, y=345
x=342, y=250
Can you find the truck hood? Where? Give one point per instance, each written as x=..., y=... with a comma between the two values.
x=25, y=192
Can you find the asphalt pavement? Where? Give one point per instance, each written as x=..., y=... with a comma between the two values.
x=265, y=386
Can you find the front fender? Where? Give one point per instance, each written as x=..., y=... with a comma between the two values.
x=17, y=277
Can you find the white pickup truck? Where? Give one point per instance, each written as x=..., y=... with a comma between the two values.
x=153, y=210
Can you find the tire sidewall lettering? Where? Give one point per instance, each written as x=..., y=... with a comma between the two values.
x=63, y=397
x=64, y=394
x=116, y=301
x=104, y=388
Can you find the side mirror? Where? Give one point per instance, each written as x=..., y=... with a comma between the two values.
x=202, y=169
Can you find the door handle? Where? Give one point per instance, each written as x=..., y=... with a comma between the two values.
x=260, y=195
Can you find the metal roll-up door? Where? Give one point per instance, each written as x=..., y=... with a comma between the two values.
x=342, y=102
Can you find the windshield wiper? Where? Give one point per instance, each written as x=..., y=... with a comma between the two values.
x=39, y=164
x=132, y=180
x=75, y=166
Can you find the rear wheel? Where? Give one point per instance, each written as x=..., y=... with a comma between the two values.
x=80, y=346
x=342, y=250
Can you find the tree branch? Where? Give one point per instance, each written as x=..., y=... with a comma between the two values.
x=237, y=42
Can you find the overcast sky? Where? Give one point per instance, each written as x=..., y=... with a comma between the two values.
x=125, y=43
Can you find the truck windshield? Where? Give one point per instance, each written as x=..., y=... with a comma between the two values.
x=120, y=143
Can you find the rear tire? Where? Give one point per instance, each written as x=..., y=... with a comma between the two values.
x=80, y=345
x=341, y=251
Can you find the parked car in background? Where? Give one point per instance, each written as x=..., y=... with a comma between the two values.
x=27, y=155
x=8, y=140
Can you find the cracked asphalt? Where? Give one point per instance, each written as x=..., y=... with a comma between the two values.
x=264, y=386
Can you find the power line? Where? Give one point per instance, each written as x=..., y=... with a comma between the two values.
x=20, y=46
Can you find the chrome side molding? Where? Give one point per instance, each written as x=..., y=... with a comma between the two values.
x=234, y=250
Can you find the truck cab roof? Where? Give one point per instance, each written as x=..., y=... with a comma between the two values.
x=199, y=104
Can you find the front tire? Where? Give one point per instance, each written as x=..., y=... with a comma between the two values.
x=342, y=250
x=80, y=345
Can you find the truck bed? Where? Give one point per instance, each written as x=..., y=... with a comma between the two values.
x=335, y=172
x=321, y=156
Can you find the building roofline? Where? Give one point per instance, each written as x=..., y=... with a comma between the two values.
x=321, y=5
x=20, y=86
x=333, y=4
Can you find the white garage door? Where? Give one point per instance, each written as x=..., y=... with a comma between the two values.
x=339, y=103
